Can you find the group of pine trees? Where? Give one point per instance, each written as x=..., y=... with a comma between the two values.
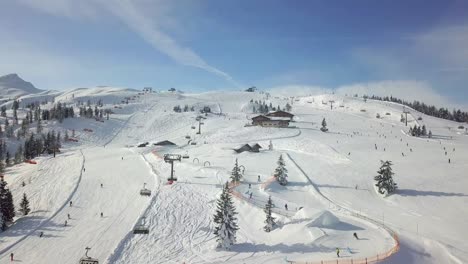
x=186, y=108
x=455, y=115
x=418, y=131
x=264, y=108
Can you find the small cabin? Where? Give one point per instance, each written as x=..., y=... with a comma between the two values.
x=164, y=143
x=243, y=148
x=251, y=89
x=250, y=148
x=265, y=121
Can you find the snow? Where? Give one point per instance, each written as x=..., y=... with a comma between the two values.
x=330, y=192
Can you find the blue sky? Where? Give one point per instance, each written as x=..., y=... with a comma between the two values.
x=212, y=44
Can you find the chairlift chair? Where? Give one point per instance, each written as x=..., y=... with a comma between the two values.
x=193, y=127
x=145, y=191
x=186, y=156
x=141, y=228
x=187, y=137
x=88, y=260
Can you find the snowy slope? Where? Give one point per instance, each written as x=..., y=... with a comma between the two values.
x=11, y=86
x=330, y=194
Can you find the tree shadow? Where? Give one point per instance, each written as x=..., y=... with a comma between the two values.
x=409, y=192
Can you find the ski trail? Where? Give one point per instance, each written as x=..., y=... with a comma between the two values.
x=48, y=220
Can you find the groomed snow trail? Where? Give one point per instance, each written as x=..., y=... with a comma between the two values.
x=119, y=200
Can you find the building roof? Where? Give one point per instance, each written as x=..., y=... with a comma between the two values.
x=280, y=114
x=164, y=143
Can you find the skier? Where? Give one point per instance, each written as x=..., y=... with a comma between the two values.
x=258, y=178
x=250, y=185
x=356, y=187
x=251, y=195
x=337, y=252
x=71, y=203
x=102, y=186
x=122, y=158
x=102, y=215
x=41, y=234
x=68, y=216
x=11, y=256
x=84, y=169
x=286, y=207
x=66, y=222
x=449, y=161
x=355, y=235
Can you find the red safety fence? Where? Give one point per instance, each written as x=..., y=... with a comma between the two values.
x=72, y=139
x=30, y=161
x=371, y=259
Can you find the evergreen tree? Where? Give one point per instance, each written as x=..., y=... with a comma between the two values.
x=270, y=220
x=324, y=126
x=2, y=222
x=8, y=159
x=39, y=126
x=236, y=174
x=288, y=107
x=430, y=134
x=6, y=202
x=424, y=131
x=281, y=173
x=225, y=220
x=24, y=205
x=384, y=179
x=19, y=155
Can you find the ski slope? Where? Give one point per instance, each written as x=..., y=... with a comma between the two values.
x=330, y=177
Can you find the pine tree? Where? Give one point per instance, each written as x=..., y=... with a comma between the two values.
x=424, y=131
x=384, y=179
x=281, y=173
x=236, y=174
x=225, y=220
x=270, y=220
x=6, y=202
x=324, y=125
x=8, y=159
x=2, y=222
x=19, y=155
x=39, y=127
x=24, y=205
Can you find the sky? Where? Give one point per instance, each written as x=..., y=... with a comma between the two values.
x=411, y=48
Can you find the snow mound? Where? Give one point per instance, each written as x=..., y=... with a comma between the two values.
x=325, y=220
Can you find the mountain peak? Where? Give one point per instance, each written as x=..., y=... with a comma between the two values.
x=13, y=81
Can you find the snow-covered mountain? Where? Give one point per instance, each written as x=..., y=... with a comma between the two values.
x=11, y=86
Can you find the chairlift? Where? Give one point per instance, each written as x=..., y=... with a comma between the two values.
x=187, y=137
x=141, y=228
x=145, y=191
x=193, y=143
x=193, y=127
x=185, y=156
x=88, y=260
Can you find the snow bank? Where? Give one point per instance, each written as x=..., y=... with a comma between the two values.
x=325, y=220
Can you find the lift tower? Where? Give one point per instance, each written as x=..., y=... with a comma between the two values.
x=170, y=158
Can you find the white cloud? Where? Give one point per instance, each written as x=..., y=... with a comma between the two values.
x=127, y=11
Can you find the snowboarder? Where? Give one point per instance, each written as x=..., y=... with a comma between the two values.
x=251, y=195
x=355, y=235
x=66, y=223
x=258, y=178
x=337, y=252
x=102, y=215
x=102, y=186
x=11, y=256
x=71, y=203
x=122, y=158
x=286, y=207
x=68, y=215
x=41, y=234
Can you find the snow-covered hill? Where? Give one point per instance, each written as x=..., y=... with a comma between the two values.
x=329, y=197
x=12, y=86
